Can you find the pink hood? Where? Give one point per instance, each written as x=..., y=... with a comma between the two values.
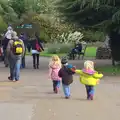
x=53, y=72
x=90, y=72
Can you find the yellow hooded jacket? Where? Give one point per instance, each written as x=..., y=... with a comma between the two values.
x=88, y=79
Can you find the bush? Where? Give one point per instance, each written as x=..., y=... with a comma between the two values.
x=70, y=37
x=3, y=25
x=59, y=48
x=91, y=36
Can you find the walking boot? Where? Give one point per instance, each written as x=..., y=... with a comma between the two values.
x=37, y=66
x=34, y=66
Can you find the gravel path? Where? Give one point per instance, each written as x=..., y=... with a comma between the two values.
x=32, y=97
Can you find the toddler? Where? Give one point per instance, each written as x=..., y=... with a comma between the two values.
x=89, y=77
x=54, y=67
x=66, y=73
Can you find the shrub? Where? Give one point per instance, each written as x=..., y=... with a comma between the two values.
x=59, y=48
x=71, y=37
x=92, y=36
x=3, y=25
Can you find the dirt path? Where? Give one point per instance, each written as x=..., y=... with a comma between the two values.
x=32, y=98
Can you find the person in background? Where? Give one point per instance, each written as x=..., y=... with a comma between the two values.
x=76, y=50
x=23, y=37
x=38, y=38
x=66, y=73
x=36, y=49
x=54, y=67
x=15, y=52
x=5, y=43
x=28, y=47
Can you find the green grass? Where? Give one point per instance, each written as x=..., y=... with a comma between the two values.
x=90, y=52
x=109, y=69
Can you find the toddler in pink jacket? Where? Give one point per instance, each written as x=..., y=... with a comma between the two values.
x=54, y=67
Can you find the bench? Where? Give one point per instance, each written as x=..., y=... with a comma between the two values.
x=78, y=55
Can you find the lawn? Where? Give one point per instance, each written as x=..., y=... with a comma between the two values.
x=109, y=69
x=90, y=52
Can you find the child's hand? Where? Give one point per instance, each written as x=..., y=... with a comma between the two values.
x=73, y=69
x=49, y=77
x=98, y=81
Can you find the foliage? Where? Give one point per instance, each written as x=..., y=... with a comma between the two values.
x=41, y=6
x=93, y=36
x=91, y=13
x=7, y=12
x=70, y=37
x=19, y=7
x=59, y=48
x=3, y=25
x=51, y=24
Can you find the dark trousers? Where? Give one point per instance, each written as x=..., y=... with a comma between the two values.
x=90, y=91
x=5, y=57
x=35, y=60
x=56, y=84
x=23, y=60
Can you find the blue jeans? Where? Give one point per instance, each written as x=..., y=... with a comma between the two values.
x=15, y=64
x=66, y=90
x=56, y=84
x=90, y=90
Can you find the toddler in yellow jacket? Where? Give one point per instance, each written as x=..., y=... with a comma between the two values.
x=89, y=77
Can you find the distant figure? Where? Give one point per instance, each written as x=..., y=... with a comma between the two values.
x=28, y=47
x=36, y=49
x=76, y=50
x=23, y=37
x=5, y=43
x=15, y=52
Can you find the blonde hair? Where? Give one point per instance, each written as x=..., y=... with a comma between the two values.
x=89, y=65
x=55, y=60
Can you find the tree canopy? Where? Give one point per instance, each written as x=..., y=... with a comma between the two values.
x=91, y=13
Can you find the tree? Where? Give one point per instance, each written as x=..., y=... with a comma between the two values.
x=91, y=13
x=19, y=7
x=7, y=13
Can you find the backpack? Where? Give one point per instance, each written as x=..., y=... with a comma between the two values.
x=17, y=47
x=38, y=48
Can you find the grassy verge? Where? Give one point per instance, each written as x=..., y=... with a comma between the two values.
x=90, y=52
x=109, y=70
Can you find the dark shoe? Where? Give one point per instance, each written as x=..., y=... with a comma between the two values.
x=56, y=90
x=91, y=97
x=67, y=97
x=88, y=97
x=6, y=65
x=53, y=89
x=9, y=78
x=37, y=67
x=34, y=67
x=16, y=80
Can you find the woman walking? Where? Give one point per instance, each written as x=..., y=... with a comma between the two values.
x=36, y=49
